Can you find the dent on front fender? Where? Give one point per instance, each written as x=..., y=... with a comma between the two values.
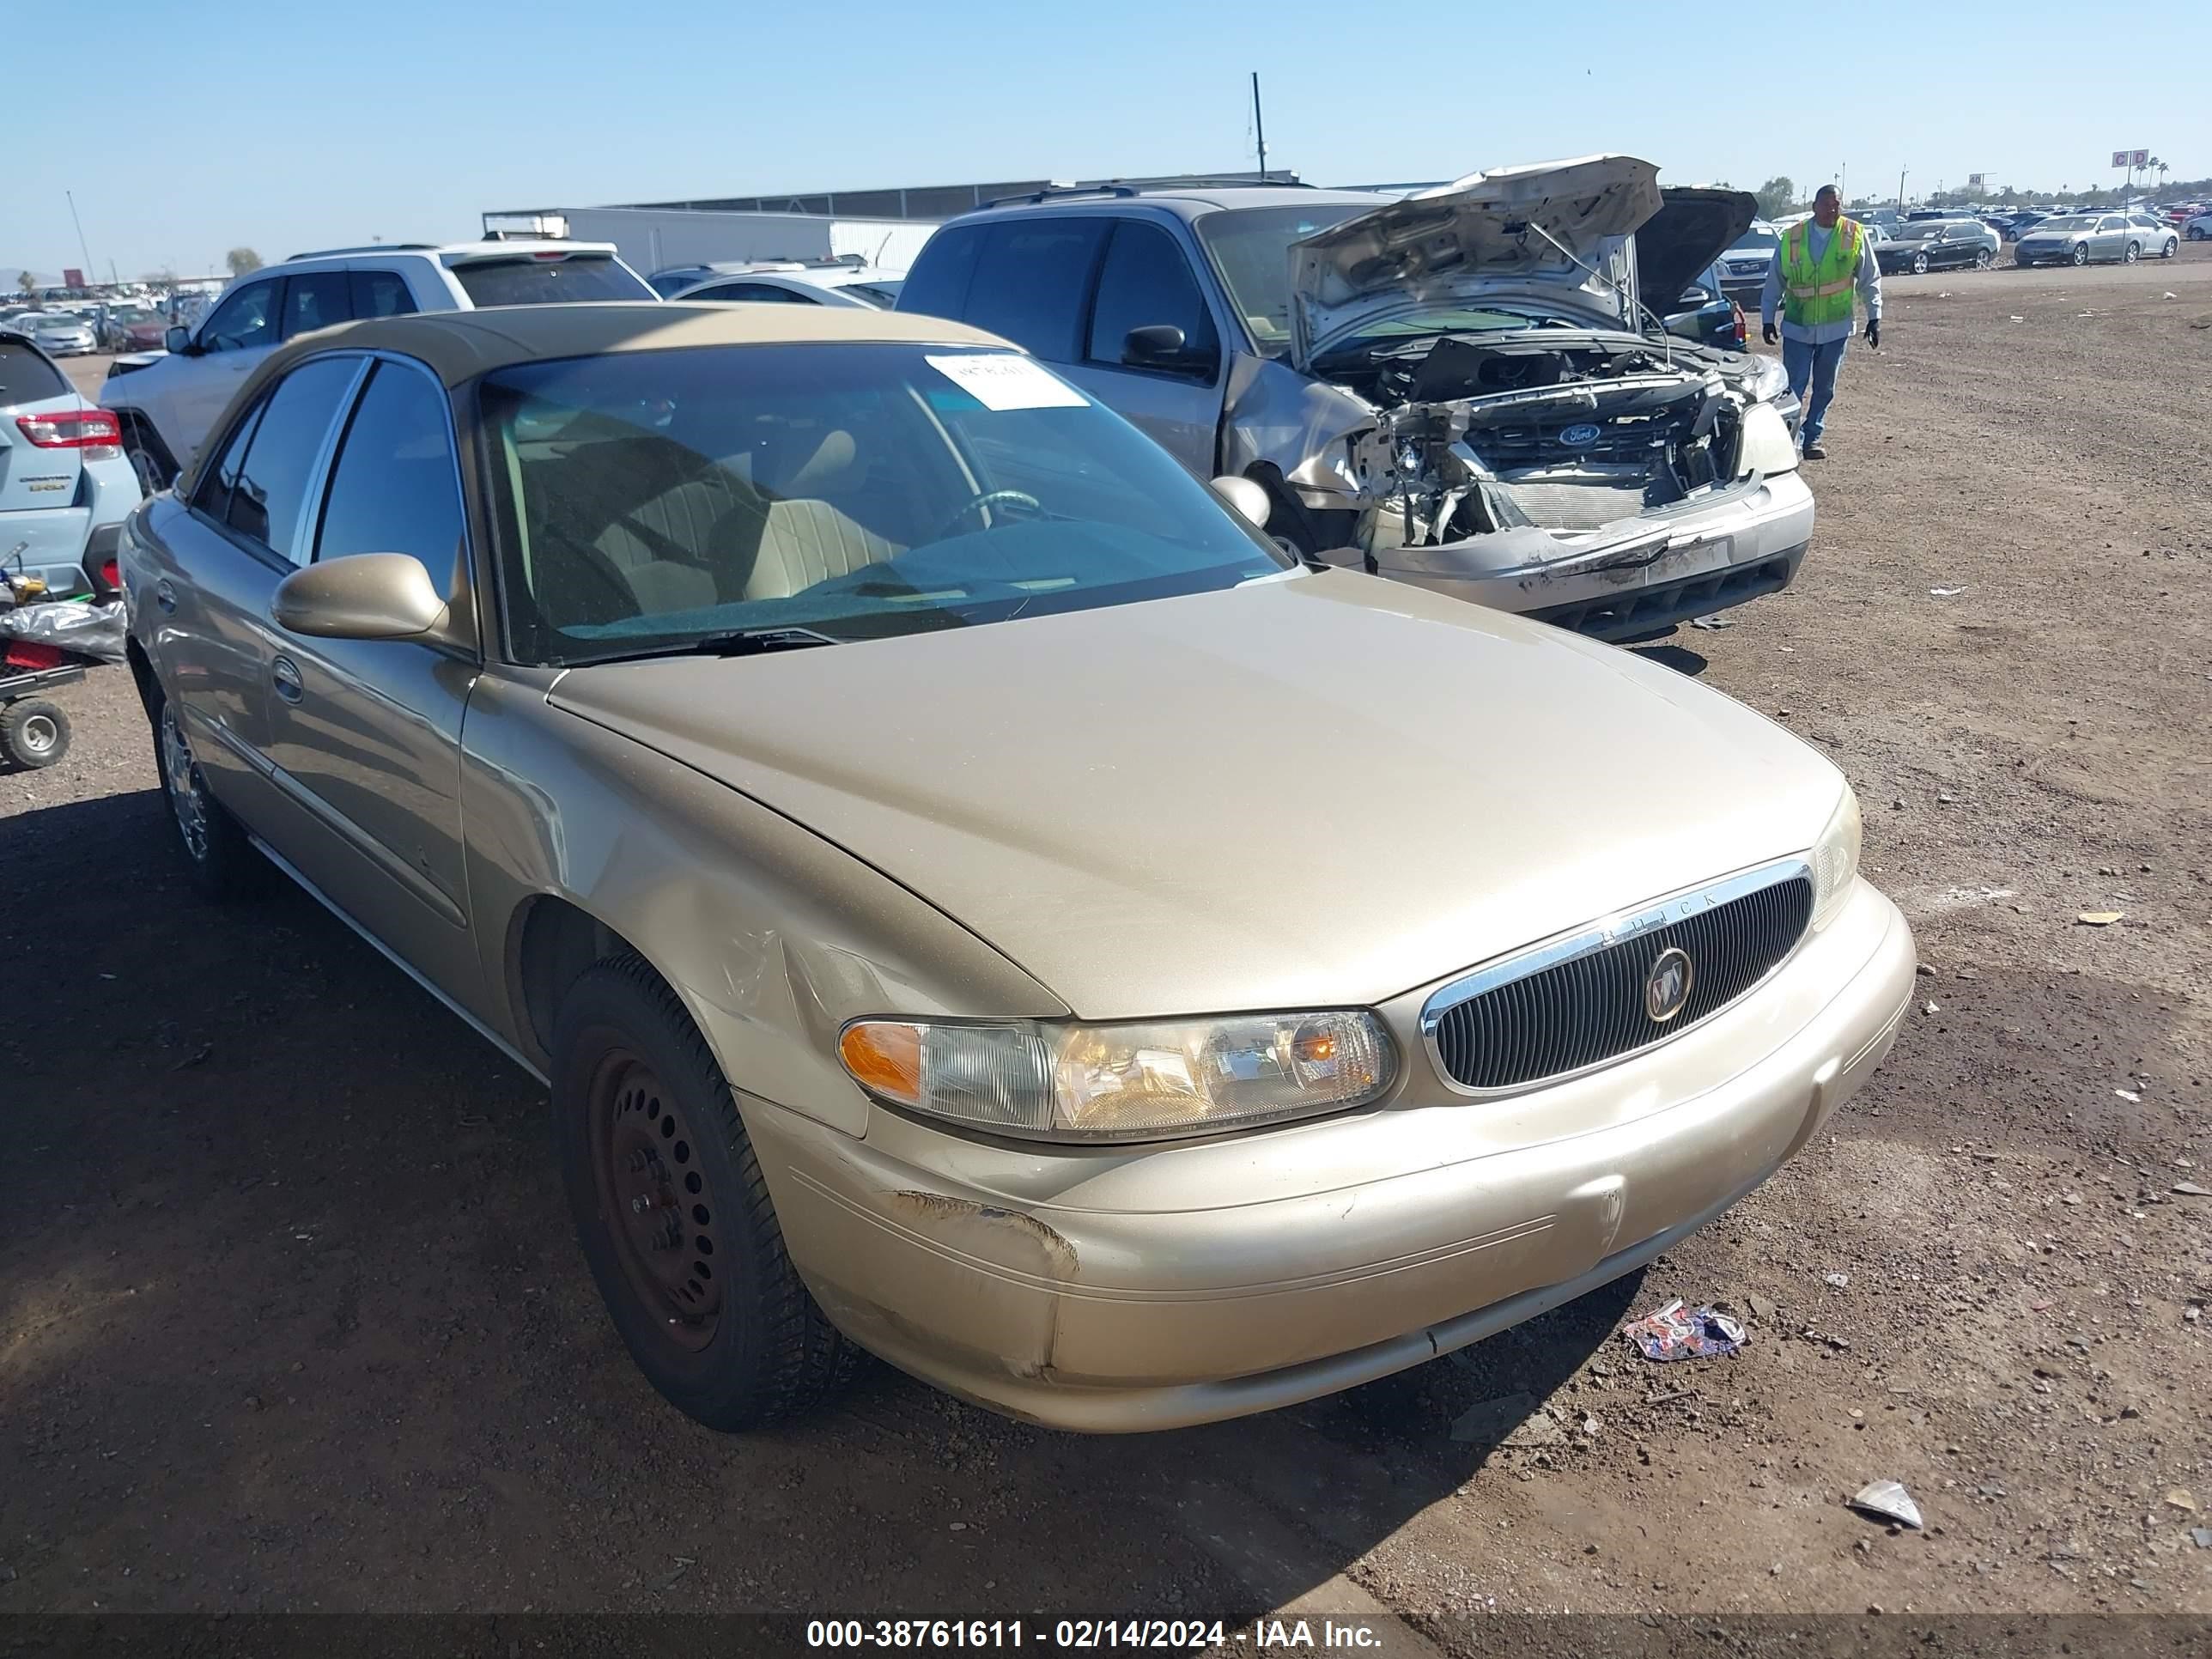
x=772, y=937
x=1300, y=427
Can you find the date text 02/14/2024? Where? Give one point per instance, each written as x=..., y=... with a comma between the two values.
x=1080, y=1634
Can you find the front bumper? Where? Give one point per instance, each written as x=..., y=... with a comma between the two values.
x=1627, y=580
x=1111, y=1290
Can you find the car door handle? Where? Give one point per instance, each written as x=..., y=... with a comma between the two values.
x=284, y=675
x=164, y=595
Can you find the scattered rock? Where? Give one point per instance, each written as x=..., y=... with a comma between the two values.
x=1838, y=1279
x=2182, y=1498
x=2191, y=1189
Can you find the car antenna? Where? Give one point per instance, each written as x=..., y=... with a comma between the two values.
x=1666, y=340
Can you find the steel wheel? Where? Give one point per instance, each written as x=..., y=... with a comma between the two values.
x=653, y=1190
x=181, y=781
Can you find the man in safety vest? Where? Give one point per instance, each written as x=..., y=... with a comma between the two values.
x=1821, y=261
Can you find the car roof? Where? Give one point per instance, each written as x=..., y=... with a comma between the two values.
x=459, y=345
x=1185, y=201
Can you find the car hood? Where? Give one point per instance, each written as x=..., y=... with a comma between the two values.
x=1322, y=789
x=1677, y=246
x=1465, y=239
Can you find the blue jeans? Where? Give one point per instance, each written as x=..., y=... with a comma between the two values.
x=1804, y=362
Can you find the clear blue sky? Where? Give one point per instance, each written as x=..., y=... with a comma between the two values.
x=284, y=126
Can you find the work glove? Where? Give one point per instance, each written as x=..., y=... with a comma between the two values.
x=1874, y=332
x=1766, y=333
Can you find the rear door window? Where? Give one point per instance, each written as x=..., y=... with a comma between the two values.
x=379, y=293
x=527, y=280
x=26, y=377
x=1147, y=282
x=316, y=299
x=1032, y=280
x=938, y=285
x=246, y=319
x=271, y=486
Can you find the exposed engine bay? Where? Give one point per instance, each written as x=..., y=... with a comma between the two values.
x=1562, y=429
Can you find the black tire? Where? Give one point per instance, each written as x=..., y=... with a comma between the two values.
x=223, y=863
x=2134, y=253
x=33, y=732
x=1983, y=260
x=2197, y=233
x=1920, y=265
x=729, y=1335
x=2081, y=253
x=2173, y=247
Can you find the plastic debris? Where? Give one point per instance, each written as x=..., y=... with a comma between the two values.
x=2182, y=1498
x=2129, y=1096
x=1945, y=593
x=2019, y=319
x=1676, y=1332
x=1887, y=1500
x=78, y=626
x=1930, y=1008
x=2101, y=918
x=1840, y=1280
x=2169, y=295
x=2201, y=1537
x=1711, y=623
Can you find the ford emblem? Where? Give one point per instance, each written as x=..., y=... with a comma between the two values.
x=1581, y=435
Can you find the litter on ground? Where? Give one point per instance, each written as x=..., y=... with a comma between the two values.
x=1676, y=1332
x=1887, y=1500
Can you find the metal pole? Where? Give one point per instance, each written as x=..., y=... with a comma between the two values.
x=1900, y=190
x=79, y=223
x=1259, y=126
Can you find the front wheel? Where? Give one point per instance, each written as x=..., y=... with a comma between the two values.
x=673, y=1213
x=1919, y=265
x=2081, y=253
x=2196, y=232
x=2173, y=247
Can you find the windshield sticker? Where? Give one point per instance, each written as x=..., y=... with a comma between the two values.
x=1001, y=381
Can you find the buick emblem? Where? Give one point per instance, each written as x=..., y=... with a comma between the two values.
x=1667, y=986
x=1581, y=435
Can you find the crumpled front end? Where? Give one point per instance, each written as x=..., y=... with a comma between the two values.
x=1608, y=481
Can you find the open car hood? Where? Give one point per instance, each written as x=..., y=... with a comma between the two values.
x=1458, y=240
x=1676, y=245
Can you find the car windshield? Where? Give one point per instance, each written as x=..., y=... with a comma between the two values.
x=1756, y=239
x=649, y=502
x=2072, y=221
x=1922, y=230
x=1251, y=249
x=529, y=279
x=884, y=295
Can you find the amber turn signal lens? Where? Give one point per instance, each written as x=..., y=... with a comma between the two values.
x=885, y=1057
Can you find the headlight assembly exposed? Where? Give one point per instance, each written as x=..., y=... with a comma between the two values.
x=1147, y=1081
x=1767, y=447
x=1835, y=861
x=1768, y=381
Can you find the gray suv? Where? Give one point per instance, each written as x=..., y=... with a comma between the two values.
x=1468, y=388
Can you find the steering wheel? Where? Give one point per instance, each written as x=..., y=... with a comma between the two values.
x=1021, y=498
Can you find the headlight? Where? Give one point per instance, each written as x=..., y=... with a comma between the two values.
x=1835, y=861
x=1124, y=1082
x=1768, y=380
x=1766, y=445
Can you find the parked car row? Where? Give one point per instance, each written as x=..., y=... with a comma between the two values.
x=1939, y=244
x=831, y=748
x=2082, y=237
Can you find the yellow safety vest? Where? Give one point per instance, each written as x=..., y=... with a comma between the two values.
x=1815, y=292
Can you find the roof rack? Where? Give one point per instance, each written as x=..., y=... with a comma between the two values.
x=371, y=248
x=1051, y=191
x=1153, y=187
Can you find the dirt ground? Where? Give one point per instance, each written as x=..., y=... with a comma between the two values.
x=292, y=1318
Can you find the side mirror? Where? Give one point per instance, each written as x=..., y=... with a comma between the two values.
x=178, y=339
x=1163, y=345
x=364, y=596
x=1249, y=499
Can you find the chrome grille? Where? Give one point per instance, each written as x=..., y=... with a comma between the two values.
x=1579, y=1002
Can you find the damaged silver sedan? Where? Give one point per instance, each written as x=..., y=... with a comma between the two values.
x=1467, y=388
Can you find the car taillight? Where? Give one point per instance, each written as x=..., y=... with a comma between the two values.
x=94, y=431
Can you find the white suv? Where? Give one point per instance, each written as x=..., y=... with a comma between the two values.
x=167, y=400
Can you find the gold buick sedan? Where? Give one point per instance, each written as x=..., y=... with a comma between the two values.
x=970, y=896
